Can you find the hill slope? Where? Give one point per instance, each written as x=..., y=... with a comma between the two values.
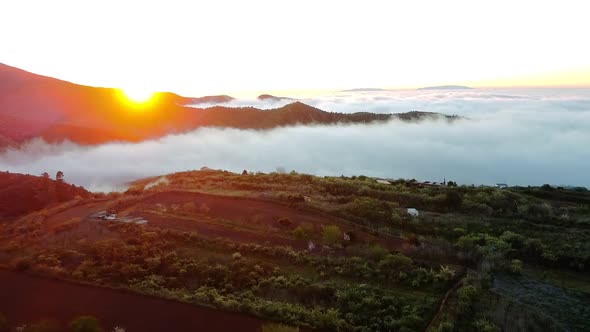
x=21, y=194
x=37, y=106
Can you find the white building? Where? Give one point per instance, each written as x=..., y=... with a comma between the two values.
x=413, y=212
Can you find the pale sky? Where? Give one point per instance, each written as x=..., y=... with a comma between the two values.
x=208, y=47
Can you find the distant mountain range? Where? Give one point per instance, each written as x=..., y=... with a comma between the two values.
x=364, y=90
x=446, y=87
x=273, y=98
x=38, y=106
x=220, y=99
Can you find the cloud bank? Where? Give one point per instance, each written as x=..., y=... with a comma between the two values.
x=520, y=138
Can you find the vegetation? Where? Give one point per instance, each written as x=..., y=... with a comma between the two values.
x=373, y=268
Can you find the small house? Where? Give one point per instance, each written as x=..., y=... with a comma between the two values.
x=413, y=212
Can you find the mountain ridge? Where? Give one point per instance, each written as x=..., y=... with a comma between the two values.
x=36, y=106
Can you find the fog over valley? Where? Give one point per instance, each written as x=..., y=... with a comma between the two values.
x=514, y=136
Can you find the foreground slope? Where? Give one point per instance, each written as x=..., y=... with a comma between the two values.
x=332, y=253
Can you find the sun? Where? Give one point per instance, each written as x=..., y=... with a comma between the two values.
x=137, y=95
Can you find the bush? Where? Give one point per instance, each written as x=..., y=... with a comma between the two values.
x=484, y=325
x=466, y=294
x=299, y=233
x=516, y=266
x=273, y=327
x=331, y=234
x=85, y=324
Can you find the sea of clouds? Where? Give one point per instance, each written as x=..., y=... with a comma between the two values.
x=514, y=136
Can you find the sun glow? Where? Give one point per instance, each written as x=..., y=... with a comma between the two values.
x=137, y=96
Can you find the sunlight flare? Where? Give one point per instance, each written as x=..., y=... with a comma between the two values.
x=137, y=95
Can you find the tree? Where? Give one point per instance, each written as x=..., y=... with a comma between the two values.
x=59, y=176
x=331, y=234
x=85, y=324
x=453, y=200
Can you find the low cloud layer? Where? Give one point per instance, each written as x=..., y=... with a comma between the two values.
x=517, y=137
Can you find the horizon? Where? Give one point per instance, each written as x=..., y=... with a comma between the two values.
x=174, y=47
x=302, y=93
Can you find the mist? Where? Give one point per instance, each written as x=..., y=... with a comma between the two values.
x=521, y=138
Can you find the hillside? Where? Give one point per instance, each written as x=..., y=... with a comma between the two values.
x=21, y=194
x=37, y=106
x=322, y=253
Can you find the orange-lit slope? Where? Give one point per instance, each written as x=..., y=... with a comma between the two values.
x=33, y=105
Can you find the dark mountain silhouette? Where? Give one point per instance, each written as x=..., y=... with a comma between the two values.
x=21, y=194
x=446, y=87
x=211, y=99
x=273, y=98
x=37, y=106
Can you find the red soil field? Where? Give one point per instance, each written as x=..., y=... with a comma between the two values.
x=25, y=299
x=251, y=210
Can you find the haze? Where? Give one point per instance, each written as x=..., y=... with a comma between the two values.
x=520, y=137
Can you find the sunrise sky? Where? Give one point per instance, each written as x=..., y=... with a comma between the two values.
x=208, y=47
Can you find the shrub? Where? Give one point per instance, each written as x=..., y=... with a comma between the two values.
x=484, y=325
x=331, y=234
x=516, y=266
x=377, y=251
x=85, y=324
x=273, y=327
x=299, y=233
x=446, y=273
x=466, y=294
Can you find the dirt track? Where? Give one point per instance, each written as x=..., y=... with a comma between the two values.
x=25, y=299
